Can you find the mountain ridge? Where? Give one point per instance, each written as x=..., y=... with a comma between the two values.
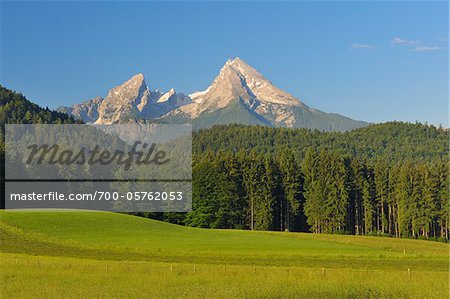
x=238, y=94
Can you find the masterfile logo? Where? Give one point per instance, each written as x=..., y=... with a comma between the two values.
x=132, y=167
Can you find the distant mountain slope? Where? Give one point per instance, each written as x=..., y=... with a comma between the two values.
x=239, y=94
x=236, y=112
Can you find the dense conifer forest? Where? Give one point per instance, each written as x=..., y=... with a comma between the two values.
x=385, y=179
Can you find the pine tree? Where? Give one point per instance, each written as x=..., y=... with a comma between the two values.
x=381, y=188
x=292, y=188
x=313, y=189
x=368, y=197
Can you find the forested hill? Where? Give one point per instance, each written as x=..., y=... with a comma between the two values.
x=16, y=109
x=385, y=179
x=391, y=140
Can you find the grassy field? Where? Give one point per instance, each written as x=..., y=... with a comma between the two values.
x=99, y=254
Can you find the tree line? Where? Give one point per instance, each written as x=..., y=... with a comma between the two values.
x=385, y=179
x=325, y=192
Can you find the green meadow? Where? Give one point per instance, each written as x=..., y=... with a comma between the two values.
x=100, y=254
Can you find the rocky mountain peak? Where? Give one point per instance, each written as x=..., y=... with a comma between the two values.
x=123, y=100
x=261, y=87
x=134, y=85
x=237, y=80
x=241, y=66
x=138, y=78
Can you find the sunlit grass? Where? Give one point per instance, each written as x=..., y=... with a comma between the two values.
x=51, y=254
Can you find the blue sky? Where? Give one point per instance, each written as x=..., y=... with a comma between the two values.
x=375, y=61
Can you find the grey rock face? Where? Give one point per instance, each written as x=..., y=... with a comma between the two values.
x=130, y=101
x=86, y=111
x=124, y=101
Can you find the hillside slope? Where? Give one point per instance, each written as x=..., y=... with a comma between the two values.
x=113, y=236
x=92, y=254
x=392, y=140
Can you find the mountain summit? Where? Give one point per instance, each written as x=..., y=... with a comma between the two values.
x=239, y=94
x=125, y=100
x=239, y=81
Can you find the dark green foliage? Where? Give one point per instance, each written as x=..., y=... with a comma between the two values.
x=386, y=179
x=215, y=200
x=16, y=109
x=326, y=191
x=393, y=141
